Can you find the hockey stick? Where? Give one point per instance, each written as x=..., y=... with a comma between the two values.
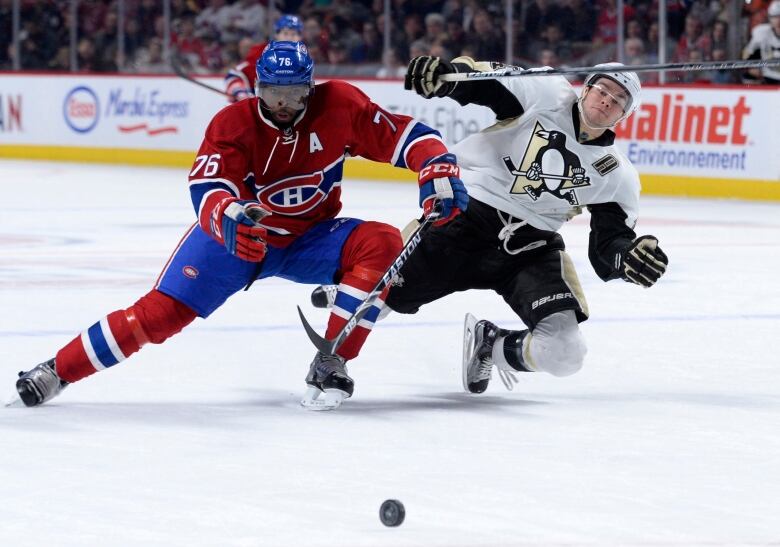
x=179, y=71
x=329, y=347
x=514, y=72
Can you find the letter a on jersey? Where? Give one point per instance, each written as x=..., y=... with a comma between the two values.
x=314, y=143
x=548, y=166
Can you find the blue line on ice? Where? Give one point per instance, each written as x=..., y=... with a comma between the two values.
x=415, y=324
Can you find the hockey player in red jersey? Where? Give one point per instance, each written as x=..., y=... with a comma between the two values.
x=266, y=187
x=240, y=80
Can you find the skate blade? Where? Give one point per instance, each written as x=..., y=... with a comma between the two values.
x=315, y=399
x=468, y=348
x=14, y=401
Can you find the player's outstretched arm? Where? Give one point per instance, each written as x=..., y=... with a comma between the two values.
x=423, y=77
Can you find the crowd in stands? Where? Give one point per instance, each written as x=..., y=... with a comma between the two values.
x=213, y=35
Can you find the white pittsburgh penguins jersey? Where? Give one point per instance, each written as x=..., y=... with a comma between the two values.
x=764, y=40
x=533, y=167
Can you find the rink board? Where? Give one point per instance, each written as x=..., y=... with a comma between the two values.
x=708, y=141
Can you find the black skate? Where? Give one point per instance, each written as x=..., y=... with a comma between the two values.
x=478, y=340
x=329, y=383
x=39, y=384
x=324, y=296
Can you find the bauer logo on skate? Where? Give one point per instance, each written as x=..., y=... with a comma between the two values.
x=81, y=109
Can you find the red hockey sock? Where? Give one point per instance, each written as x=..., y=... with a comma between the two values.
x=154, y=318
x=367, y=253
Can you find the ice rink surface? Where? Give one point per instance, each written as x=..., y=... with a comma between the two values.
x=670, y=435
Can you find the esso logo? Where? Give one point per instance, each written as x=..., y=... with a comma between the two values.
x=81, y=109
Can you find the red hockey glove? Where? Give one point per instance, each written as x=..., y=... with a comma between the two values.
x=440, y=181
x=232, y=222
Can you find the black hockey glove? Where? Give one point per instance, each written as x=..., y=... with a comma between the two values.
x=644, y=262
x=423, y=76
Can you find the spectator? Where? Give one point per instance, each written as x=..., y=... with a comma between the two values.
x=720, y=36
x=338, y=53
x=606, y=23
x=215, y=17
x=438, y=50
x=690, y=77
x=552, y=38
x=434, y=28
x=316, y=39
x=150, y=58
x=89, y=60
x=190, y=46
x=412, y=31
x=455, y=35
x=485, y=38
x=417, y=48
x=370, y=50
x=721, y=76
x=693, y=38
x=61, y=60
x=765, y=44
x=578, y=20
x=392, y=67
x=538, y=16
x=634, y=29
x=635, y=55
x=133, y=37
x=246, y=18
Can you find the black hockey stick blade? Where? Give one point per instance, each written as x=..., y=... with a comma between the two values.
x=330, y=346
x=322, y=344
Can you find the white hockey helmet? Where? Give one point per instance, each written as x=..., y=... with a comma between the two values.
x=774, y=9
x=627, y=80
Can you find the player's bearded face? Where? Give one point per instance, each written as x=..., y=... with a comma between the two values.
x=604, y=103
x=284, y=101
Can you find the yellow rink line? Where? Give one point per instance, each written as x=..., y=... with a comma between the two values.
x=661, y=185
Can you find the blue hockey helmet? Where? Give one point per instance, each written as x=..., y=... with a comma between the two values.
x=288, y=21
x=285, y=63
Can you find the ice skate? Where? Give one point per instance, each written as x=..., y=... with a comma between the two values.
x=329, y=383
x=478, y=340
x=324, y=296
x=40, y=384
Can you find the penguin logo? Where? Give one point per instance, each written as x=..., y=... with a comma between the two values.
x=548, y=166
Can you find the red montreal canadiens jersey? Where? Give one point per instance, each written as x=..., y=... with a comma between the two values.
x=243, y=76
x=296, y=173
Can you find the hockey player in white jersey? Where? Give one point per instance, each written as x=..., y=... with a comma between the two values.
x=549, y=154
x=765, y=44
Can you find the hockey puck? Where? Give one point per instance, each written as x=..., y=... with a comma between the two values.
x=392, y=513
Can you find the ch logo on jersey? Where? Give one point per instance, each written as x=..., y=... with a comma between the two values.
x=548, y=166
x=295, y=195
